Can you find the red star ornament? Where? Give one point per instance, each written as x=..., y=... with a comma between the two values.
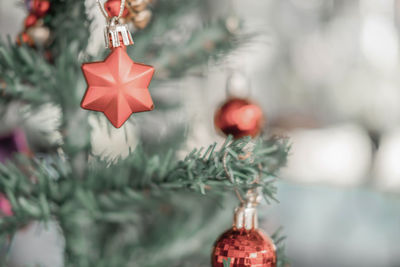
x=117, y=87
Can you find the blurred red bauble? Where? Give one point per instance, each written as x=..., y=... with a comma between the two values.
x=40, y=7
x=24, y=38
x=113, y=6
x=239, y=117
x=245, y=248
x=30, y=20
x=5, y=206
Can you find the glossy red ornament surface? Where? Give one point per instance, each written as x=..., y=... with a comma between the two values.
x=30, y=20
x=113, y=6
x=239, y=117
x=117, y=87
x=245, y=248
x=40, y=7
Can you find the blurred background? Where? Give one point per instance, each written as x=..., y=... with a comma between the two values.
x=325, y=73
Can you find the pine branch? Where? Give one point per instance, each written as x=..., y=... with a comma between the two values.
x=116, y=194
x=201, y=171
x=174, y=60
x=21, y=70
x=70, y=26
x=43, y=189
x=31, y=78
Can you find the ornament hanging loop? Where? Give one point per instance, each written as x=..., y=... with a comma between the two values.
x=252, y=195
x=104, y=12
x=230, y=176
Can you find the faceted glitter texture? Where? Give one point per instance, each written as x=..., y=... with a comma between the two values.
x=245, y=248
x=117, y=87
x=239, y=117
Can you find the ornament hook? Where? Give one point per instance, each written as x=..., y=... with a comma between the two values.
x=104, y=12
x=230, y=177
x=252, y=195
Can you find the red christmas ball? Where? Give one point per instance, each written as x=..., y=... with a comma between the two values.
x=30, y=20
x=40, y=7
x=5, y=206
x=239, y=117
x=113, y=7
x=24, y=38
x=244, y=248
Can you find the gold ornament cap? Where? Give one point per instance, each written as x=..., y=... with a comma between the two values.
x=246, y=216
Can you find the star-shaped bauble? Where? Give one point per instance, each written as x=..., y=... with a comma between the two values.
x=117, y=87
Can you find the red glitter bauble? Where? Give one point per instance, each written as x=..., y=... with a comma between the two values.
x=40, y=7
x=244, y=248
x=113, y=6
x=30, y=20
x=239, y=117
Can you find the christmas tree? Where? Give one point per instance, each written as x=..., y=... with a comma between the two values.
x=153, y=206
